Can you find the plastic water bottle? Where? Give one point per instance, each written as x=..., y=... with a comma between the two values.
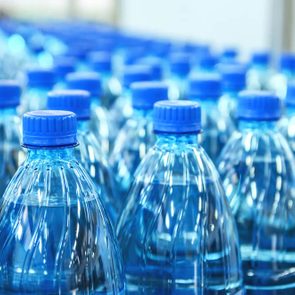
x=176, y=233
x=156, y=65
x=11, y=153
x=62, y=67
x=287, y=124
x=39, y=82
x=229, y=55
x=101, y=62
x=207, y=64
x=258, y=172
x=259, y=72
x=218, y=128
x=179, y=70
x=121, y=110
x=91, y=82
x=136, y=137
x=233, y=81
x=89, y=151
x=57, y=238
x=278, y=82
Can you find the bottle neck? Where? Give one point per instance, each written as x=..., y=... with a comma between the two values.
x=63, y=153
x=83, y=125
x=174, y=138
x=139, y=113
x=8, y=112
x=290, y=110
x=262, y=125
x=95, y=101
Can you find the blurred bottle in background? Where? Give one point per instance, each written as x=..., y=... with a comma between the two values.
x=258, y=173
x=39, y=82
x=206, y=89
x=63, y=66
x=89, y=151
x=91, y=82
x=287, y=124
x=177, y=233
x=136, y=137
x=11, y=153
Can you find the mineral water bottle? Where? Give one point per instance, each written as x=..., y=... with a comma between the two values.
x=258, y=173
x=62, y=67
x=57, y=238
x=136, y=137
x=121, y=110
x=179, y=70
x=278, y=82
x=287, y=124
x=91, y=82
x=233, y=81
x=206, y=89
x=89, y=151
x=101, y=62
x=259, y=71
x=39, y=82
x=176, y=232
x=11, y=153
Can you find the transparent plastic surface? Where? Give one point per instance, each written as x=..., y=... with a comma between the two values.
x=93, y=159
x=11, y=153
x=258, y=173
x=278, y=83
x=56, y=237
x=177, y=233
x=287, y=127
x=34, y=99
x=217, y=129
x=228, y=105
x=133, y=142
x=258, y=77
x=99, y=125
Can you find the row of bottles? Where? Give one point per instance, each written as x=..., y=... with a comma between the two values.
x=144, y=168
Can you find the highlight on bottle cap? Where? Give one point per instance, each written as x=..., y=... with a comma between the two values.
x=259, y=105
x=146, y=94
x=76, y=101
x=180, y=116
x=10, y=92
x=49, y=129
x=89, y=81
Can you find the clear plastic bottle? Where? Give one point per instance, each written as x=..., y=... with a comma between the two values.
x=179, y=65
x=177, y=233
x=89, y=151
x=286, y=73
x=259, y=71
x=136, y=137
x=11, y=153
x=233, y=81
x=218, y=128
x=101, y=62
x=91, y=82
x=57, y=238
x=39, y=82
x=121, y=110
x=287, y=124
x=258, y=173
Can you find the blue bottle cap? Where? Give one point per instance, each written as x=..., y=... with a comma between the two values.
x=259, y=106
x=10, y=92
x=287, y=62
x=145, y=94
x=290, y=97
x=260, y=58
x=76, y=101
x=43, y=78
x=101, y=61
x=208, y=61
x=49, y=129
x=233, y=77
x=180, y=116
x=156, y=67
x=64, y=65
x=204, y=87
x=230, y=53
x=136, y=73
x=89, y=81
x=180, y=64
